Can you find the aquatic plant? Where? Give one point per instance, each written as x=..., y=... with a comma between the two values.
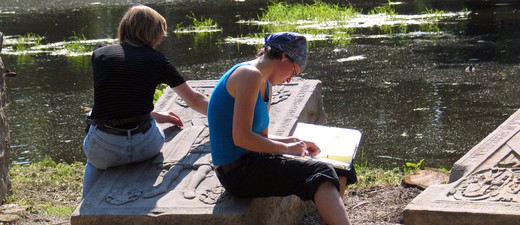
x=316, y=19
x=385, y=10
x=327, y=21
x=432, y=11
x=27, y=41
x=198, y=25
x=342, y=38
x=298, y=13
x=78, y=44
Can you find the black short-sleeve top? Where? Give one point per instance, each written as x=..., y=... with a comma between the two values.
x=125, y=78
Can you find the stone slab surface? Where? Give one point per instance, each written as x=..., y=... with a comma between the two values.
x=484, y=185
x=180, y=187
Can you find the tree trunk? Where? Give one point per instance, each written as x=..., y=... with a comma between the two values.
x=5, y=183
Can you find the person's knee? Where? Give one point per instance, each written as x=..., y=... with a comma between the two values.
x=327, y=185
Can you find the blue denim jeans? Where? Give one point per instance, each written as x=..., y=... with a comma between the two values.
x=105, y=150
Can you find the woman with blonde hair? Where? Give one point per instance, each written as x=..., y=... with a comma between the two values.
x=122, y=128
x=248, y=160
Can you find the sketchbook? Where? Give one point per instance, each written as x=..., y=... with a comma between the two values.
x=338, y=145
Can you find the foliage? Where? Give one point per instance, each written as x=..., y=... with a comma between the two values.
x=318, y=11
x=432, y=11
x=309, y=19
x=78, y=44
x=385, y=9
x=27, y=41
x=369, y=177
x=410, y=167
x=158, y=92
x=54, y=188
x=202, y=24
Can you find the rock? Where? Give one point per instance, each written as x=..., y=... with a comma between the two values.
x=484, y=185
x=179, y=186
x=11, y=213
x=426, y=177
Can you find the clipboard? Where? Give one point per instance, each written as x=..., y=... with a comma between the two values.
x=338, y=145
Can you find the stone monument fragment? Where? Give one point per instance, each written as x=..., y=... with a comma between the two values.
x=180, y=186
x=484, y=184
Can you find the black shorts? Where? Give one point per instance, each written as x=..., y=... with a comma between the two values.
x=267, y=175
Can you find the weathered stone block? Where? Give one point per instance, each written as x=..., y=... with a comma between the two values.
x=180, y=187
x=484, y=188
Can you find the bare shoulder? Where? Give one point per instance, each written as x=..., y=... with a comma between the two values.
x=247, y=75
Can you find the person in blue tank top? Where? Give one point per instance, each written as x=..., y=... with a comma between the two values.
x=248, y=160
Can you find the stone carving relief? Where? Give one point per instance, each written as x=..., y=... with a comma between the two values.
x=500, y=183
x=198, y=159
x=171, y=170
x=214, y=195
x=279, y=95
x=123, y=195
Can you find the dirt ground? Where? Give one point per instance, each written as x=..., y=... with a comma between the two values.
x=369, y=206
x=381, y=205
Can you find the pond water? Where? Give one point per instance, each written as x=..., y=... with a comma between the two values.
x=415, y=95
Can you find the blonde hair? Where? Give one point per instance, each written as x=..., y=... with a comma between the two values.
x=142, y=25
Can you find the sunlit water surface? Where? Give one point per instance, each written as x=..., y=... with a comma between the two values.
x=418, y=95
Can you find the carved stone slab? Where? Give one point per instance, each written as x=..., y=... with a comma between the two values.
x=484, y=185
x=179, y=186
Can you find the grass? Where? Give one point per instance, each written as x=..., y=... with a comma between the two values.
x=385, y=10
x=309, y=19
x=53, y=189
x=338, y=23
x=433, y=11
x=27, y=41
x=198, y=25
x=318, y=12
x=78, y=44
x=46, y=186
x=283, y=17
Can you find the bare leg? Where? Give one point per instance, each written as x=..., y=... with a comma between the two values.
x=330, y=204
x=342, y=187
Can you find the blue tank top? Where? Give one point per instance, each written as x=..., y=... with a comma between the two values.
x=220, y=117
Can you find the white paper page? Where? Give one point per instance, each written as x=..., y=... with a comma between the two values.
x=335, y=143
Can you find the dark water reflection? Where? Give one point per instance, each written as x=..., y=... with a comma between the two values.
x=412, y=97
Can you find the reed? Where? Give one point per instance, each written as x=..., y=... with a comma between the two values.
x=198, y=25
x=317, y=12
x=25, y=42
x=385, y=10
x=78, y=44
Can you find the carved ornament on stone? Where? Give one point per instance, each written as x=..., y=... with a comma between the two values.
x=500, y=183
x=279, y=96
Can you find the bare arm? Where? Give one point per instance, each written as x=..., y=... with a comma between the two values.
x=193, y=98
x=244, y=85
x=167, y=117
x=311, y=147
